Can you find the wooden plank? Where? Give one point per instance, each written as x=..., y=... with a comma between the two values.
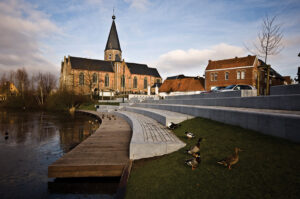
x=104, y=154
x=123, y=182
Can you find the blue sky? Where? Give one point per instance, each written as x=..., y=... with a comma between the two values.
x=177, y=37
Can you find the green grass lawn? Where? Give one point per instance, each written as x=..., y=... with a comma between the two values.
x=268, y=168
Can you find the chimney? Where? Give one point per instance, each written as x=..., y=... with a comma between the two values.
x=209, y=61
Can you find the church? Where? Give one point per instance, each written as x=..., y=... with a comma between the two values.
x=109, y=76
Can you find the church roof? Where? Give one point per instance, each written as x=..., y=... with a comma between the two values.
x=91, y=64
x=113, y=39
x=142, y=69
x=107, y=66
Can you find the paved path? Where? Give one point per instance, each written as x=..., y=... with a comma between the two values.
x=104, y=154
x=162, y=116
x=149, y=138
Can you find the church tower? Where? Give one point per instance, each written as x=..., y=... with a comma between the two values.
x=113, y=50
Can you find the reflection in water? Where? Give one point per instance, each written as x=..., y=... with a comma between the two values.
x=30, y=142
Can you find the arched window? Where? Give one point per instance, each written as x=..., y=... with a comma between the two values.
x=226, y=75
x=243, y=75
x=95, y=78
x=135, y=82
x=122, y=81
x=238, y=75
x=106, y=80
x=109, y=56
x=145, y=83
x=81, y=79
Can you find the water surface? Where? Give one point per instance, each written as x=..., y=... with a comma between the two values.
x=30, y=142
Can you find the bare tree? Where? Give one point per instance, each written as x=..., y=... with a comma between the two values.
x=22, y=80
x=269, y=39
x=45, y=84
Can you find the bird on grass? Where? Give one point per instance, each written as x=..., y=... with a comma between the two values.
x=173, y=126
x=195, y=148
x=189, y=135
x=231, y=160
x=103, y=116
x=194, y=162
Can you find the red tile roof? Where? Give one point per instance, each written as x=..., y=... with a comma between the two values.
x=231, y=63
x=183, y=85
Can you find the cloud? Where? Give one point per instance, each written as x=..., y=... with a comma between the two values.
x=193, y=61
x=138, y=4
x=22, y=27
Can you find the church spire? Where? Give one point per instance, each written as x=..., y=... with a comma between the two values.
x=113, y=39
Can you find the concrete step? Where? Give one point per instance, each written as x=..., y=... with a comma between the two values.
x=162, y=116
x=280, y=123
x=280, y=102
x=149, y=138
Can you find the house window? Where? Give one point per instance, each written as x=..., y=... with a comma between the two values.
x=157, y=80
x=106, y=80
x=238, y=75
x=145, y=83
x=81, y=79
x=216, y=76
x=95, y=79
x=122, y=81
x=109, y=56
x=226, y=75
x=135, y=82
x=243, y=75
x=212, y=76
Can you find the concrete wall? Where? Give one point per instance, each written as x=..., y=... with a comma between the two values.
x=285, y=89
x=241, y=93
x=278, y=102
x=275, y=124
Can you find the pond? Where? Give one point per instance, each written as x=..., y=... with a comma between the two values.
x=30, y=142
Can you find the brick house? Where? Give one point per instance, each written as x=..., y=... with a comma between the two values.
x=181, y=84
x=239, y=70
x=111, y=75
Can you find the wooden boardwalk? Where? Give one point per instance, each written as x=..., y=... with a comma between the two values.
x=104, y=154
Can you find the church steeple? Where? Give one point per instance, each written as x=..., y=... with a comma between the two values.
x=113, y=50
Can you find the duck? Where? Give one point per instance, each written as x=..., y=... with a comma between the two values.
x=189, y=135
x=194, y=162
x=173, y=126
x=195, y=148
x=231, y=160
x=103, y=116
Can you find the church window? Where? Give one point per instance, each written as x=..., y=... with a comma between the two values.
x=81, y=79
x=145, y=83
x=95, y=79
x=135, y=82
x=106, y=80
x=122, y=81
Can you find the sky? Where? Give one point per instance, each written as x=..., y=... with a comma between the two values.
x=175, y=36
